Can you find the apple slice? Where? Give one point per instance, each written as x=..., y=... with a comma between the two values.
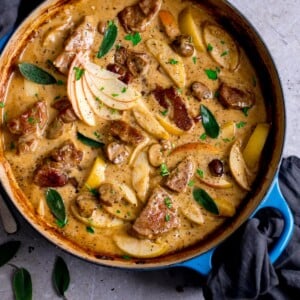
x=148, y=122
x=122, y=210
x=139, y=248
x=238, y=166
x=215, y=182
x=192, y=212
x=98, y=107
x=172, y=129
x=110, y=102
x=228, y=131
x=226, y=208
x=98, y=71
x=99, y=218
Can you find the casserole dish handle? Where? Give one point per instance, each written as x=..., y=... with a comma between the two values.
x=274, y=199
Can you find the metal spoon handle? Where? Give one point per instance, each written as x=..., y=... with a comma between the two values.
x=8, y=220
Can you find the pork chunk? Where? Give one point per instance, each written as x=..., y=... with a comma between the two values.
x=126, y=133
x=80, y=40
x=138, y=16
x=233, y=97
x=181, y=175
x=158, y=217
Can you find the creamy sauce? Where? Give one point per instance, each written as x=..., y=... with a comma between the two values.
x=21, y=94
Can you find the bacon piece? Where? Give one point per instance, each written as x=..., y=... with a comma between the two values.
x=159, y=95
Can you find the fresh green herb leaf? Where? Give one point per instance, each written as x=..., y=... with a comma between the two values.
x=203, y=136
x=245, y=111
x=118, y=46
x=191, y=183
x=194, y=59
x=240, y=124
x=90, y=229
x=127, y=257
x=97, y=135
x=124, y=90
x=205, y=200
x=164, y=170
x=211, y=74
x=115, y=95
x=57, y=206
x=32, y=120
x=8, y=251
x=167, y=218
x=93, y=191
x=101, y=89
x=2, y=104
x=60, y=276
x=110, y=36
x=209, y=122
x=36, y=74
x=164, y=113
x=60, y=82
x=22, y=285
x=118, y=211
x=78, y=73
x=226, y=140
x=210, y=48
x=172, y=61
x=168, y=202
x=200, y=173
x=225, y=53
x=88, y=141
x=113, y=111
x=135, y=38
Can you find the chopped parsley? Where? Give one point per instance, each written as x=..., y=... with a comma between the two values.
x=210, y=48
x=127, y=257
x=118, y=46
x=164, y=170
x=118, y=211
x=168, y=202
x=60, y=82
x=240, y=124
x=172, y=61
x=226, y=140
x=102, y=88
x=194, y=59
x=115, y=95
x=203, y=136
x=78, y=73
x=124, y=89
x=211, y=74
x=97, y=135
x=225, y=53
x=90, y=229
x=191, y=183
x=167, y=218
x=94, y=192
x=113, y=111
x=245, y=111
x=164, y=113
x=2, y=104
x=135, y=38
x=32, y=120
x=200, y=173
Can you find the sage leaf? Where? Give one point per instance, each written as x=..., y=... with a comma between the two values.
x=36, y=74
x=8, y=251
x=22, y=285
x=88, y=141
x=57, y=207
x=209, y=122
x=61, y=276
x=202, y=198
x=109, y=38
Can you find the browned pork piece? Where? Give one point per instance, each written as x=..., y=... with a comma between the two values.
x=53, y=172
x=232, y=97
x=125, y=75
x=159, y=215
x=126, y=133
x=138, y=16
x=65, y=115
x=80, y=40
x=181, y=175
x=29, y=126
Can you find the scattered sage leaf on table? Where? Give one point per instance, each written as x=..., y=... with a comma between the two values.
x=109, y=39
x=36, y=74
x=202, y=197
x=57, y=207
x=8, y=251
x=209, y=122
x=88, y=141
x=22, y=285
x=61, y=276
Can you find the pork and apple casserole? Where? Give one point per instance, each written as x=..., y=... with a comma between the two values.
x=134, y=128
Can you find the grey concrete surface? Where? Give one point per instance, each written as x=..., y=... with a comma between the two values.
x=278, y=22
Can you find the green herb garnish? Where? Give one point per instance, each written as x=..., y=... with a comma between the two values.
x=168, y=202
x=164, y=170
x=200, y=173
x=205, y=200
x=36, y=74
x=61, y=276
x=127, y=257
x=210, y=48
x=57, y=206
x=225, y=53
x=60, y=82
x=164, y=113
x=115, y=95
x=203, y=136
x=124, y=89
x=78, y=73
x=209, y=122
x=172, y=61
x=191, y=183
x=135, y=38
x=90, y=229
x=2, y=104
x=109, y=39
x=194, y=59
x=245, y=111
x=88, y=141
x=22, y=285
x=240, y=124
x=8, y=251
x=211, y=74
x=167, y=218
